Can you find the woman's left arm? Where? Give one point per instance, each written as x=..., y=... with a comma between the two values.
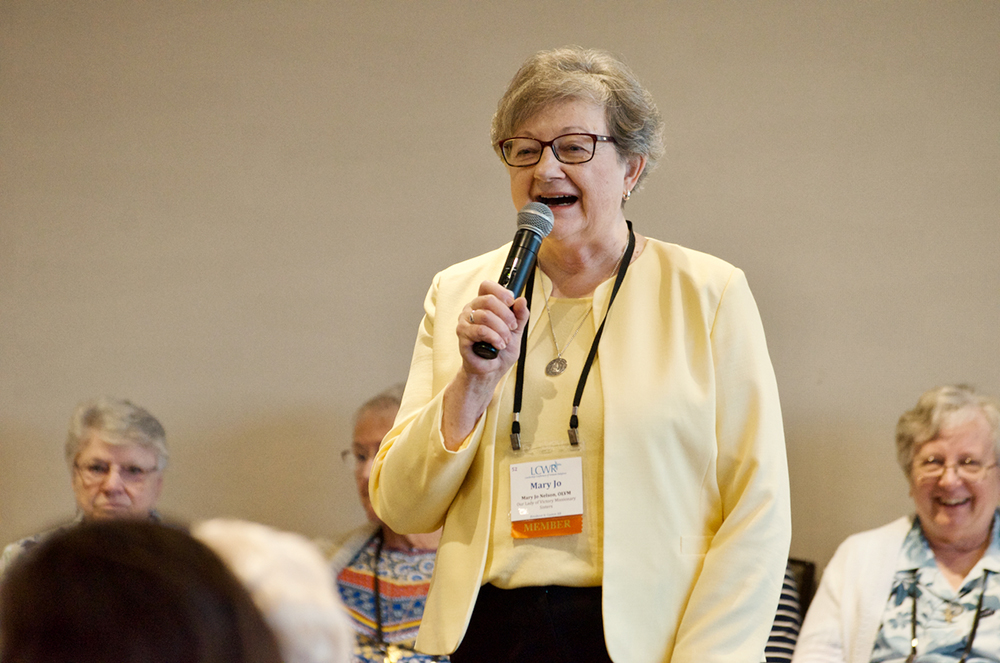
x=732, y=604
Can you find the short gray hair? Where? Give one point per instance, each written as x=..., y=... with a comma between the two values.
x=936, y=409
x=119, y=422
x=389, y=399
x=577, y=73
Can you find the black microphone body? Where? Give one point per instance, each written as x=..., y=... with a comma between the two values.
x=534, y=223
x=522, y=256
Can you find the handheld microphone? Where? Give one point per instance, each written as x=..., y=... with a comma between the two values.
x=534, y=223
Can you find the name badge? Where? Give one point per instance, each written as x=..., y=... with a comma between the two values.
x=546, y=498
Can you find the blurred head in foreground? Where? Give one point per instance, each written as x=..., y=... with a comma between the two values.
x=128, y=591
x=292, y=585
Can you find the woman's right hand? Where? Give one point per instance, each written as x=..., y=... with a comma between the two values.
x=493, y=317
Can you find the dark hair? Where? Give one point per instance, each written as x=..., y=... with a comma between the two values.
x=132, y=592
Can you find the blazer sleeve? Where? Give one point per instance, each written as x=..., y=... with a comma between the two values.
x=733, y=601
x=414, y=477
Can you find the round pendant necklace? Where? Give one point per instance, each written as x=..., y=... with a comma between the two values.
x=558, y=365
x=555, y=367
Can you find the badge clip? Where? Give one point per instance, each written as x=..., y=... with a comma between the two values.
x=574, y=435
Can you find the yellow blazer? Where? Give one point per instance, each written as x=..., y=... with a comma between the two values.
x=696, y=506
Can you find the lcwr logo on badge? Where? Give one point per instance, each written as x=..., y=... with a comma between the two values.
x=546, y=498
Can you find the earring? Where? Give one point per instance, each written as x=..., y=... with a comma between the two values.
x=626, y=195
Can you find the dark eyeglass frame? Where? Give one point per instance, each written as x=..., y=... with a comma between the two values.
x=550, y=144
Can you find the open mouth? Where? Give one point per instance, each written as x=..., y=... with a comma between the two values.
x=954, y=502
x=557, y=201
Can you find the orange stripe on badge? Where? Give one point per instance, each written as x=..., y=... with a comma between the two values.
x=531, y=529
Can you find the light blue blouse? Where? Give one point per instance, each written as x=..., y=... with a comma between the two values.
x=944, y=616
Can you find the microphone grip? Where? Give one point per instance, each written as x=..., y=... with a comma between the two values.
x=514, y=277
x=484, y=350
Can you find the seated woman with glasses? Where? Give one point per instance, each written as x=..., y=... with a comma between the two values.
x=611, y=476
x=923, y=588
x=116, y=452
x=382, y=575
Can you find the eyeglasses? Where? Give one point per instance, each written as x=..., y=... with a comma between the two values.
x=934, y=467
x=97, y=472
x=353, y=458
x=568, y=148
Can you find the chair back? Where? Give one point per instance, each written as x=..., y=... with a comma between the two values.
x=805, y=575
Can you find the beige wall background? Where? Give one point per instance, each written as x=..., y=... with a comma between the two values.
x=230, y=213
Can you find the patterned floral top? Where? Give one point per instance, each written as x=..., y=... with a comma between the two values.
x=404, y=578
x=944, y=616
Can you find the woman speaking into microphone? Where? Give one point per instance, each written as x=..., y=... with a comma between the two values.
x=612, y=483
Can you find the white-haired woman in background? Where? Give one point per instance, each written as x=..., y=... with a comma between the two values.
x=925, y=587
x=116, y=452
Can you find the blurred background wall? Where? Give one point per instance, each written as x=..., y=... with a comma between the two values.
x=230, y=212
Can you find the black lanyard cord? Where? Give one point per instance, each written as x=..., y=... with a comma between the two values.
x=574, y=422
x=379, y=638
x=515, y=426
x=975, y=620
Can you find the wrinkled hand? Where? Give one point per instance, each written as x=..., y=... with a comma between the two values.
x=494, y=317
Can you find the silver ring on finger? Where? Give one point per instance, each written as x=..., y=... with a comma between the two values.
x=472, y=317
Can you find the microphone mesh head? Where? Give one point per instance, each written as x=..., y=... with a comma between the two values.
x=535, y=217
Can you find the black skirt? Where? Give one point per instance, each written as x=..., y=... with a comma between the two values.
x=550, y=624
